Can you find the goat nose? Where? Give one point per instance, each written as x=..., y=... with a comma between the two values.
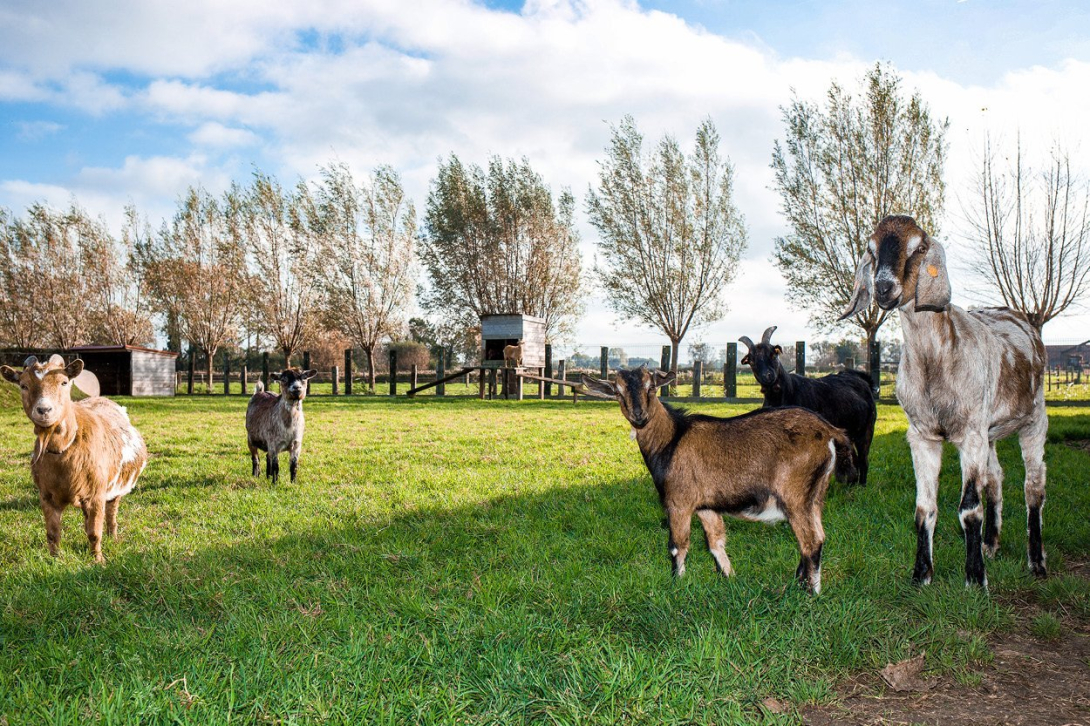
x=43, y=410
x=883, y=287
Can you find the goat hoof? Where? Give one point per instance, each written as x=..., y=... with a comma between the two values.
x=990, y=551
x=1038, y=570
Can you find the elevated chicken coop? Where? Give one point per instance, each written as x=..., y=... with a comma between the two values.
x=500, y=331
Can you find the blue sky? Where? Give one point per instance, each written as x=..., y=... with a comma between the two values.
x=133, y=101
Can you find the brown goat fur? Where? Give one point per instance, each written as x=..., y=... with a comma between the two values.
x=275, y=423
x=766, y=465
x=513, y=353
x=87, y=454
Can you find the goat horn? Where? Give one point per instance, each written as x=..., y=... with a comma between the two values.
x=31, y=360
x=768, y=334
x=749, y=343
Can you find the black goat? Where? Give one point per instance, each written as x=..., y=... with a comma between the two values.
x=844, y=399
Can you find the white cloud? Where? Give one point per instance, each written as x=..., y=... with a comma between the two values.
x=217, y=135
x=37, y=130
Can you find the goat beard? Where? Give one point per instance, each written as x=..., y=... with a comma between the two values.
x=43, y=443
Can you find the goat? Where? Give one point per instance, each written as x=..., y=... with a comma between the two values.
x=970, y=378
x=843, y=399
x=275, y=423
x=766, y=465
x=513, y=353
x=88, y=454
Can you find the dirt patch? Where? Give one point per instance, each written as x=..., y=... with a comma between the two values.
x=1080, y=444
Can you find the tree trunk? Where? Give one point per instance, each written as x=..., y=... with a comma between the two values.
x=675, y=343
x=369, y=356
x=210, y=359
x=287, y=355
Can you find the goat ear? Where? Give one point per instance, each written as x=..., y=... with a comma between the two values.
x=746, y=360
x=663, y=378
x=307, y=375
x=73, y=369
x=864, y=286
x=777, y=350
x=598, y=387
x=56, y=360
x=932, y=282
x=9, y=374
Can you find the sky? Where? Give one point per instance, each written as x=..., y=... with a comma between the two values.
x=132, y=101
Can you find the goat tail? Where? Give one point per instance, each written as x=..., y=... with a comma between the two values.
x=258, y=387
x=845, y=461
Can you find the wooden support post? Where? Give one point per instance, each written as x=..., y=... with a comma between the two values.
x=876, y=368
x=541, y=385
x=242, y=378
x=518, y=385
x=698, y=373
x=492, y=392
x=562, y=374
x=730, y=372
x=413, y=373
x=265, y=370
x=226, y=375
x=480, y=383
x=800, y=357
x=604, y=367
x=335, y=375
x=348, y=371
x=548, y=369
x=849, y=364
x=393, y=372
x=306, y=367
x=440, y=374
x=192, y=366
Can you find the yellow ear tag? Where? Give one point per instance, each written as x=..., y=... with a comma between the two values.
x=933, y=271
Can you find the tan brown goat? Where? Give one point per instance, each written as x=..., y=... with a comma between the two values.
x=513, y=353
x=87, y=454
x=767, y=465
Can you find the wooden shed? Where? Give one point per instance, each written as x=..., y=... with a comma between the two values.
x=129, y=370
x=498, y=331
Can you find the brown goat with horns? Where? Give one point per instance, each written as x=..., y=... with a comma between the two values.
x=766, y=465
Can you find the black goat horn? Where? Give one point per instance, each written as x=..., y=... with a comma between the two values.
x=768, y=335
x=749, y=343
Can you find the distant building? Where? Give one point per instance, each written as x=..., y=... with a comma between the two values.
x=1067, y=356
x=128, y=370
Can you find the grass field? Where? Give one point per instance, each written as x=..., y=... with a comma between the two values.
x=456, y=561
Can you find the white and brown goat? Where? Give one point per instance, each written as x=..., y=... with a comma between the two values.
x=970, y=378
x=88, y=454
x=275, y=423
x=767, y=465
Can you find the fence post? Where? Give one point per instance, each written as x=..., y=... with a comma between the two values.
x=800, y=357
x=548, y=369
x=440, y=373
x=849, y=364
x=348, y=371
x=876, y=368
x=698, y=372
x=306, y=367
x=265, y=370
x=226, y=375
x=393, y=372
x=480, y=383
x=335, y=374
x=492, y=392
x=192, y=366
x=730, y=372
x=605, y=363
x=562, y=374
x=413, y=373
x=242, y=377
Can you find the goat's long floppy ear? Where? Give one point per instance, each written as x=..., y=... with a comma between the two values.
x=9, y=374
x=662, y=378
x=307, y=375
x=596, y=387
x=932, y=281
x=864, y=286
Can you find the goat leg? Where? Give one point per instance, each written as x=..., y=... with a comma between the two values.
x=93, y=515
x=926, y=460
x=680, y=525
x=296, y=449
x=52, y=525
x=993, y=509
x=1032, y=441
x=811, y=538
x=111, y=517
x=716, y=534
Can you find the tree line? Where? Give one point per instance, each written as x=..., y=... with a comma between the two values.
x=341, y=257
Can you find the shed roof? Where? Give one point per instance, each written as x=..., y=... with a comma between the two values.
x=120, y=349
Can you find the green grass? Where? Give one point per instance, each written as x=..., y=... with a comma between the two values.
x=457, y=561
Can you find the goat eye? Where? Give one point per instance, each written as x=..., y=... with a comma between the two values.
x=24, y=387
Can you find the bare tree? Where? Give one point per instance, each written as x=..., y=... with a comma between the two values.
x=669, y=233
x=18, y=327
x=365, y=239
x=121, y=305
x=839, y=171
x=496, y=242
x=283, y=284
x=1030, y=232
x=196, y=271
